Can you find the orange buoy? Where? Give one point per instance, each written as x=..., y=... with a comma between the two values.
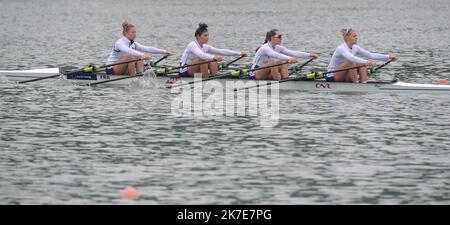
x=130, y=193
x=442, y=81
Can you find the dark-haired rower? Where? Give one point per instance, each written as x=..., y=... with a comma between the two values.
x=198, y=51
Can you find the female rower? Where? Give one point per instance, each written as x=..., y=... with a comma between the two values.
x=345, y=56
x=198, y=51
x=126, y=49
x=272, y=53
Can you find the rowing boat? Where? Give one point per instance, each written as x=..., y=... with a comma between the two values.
x=321, y=85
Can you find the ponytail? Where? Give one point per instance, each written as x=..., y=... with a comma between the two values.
x=345, y=32
x=202, y=28
x=126, y=26
x=269, y=35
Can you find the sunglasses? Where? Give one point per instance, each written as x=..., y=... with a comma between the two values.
x=278, y=36
x=349, y=31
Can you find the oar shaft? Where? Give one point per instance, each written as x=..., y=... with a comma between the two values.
x=159, y=60
x=380, y=66
x=265, y=67
x=349, y=68
x=235, y=60
x=195, y=64
x=296, y=69
x=120, y=63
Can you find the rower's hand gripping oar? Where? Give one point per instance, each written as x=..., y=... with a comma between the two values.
x=226, y=75
x=89, y=69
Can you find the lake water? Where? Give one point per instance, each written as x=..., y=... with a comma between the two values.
x=64, y=144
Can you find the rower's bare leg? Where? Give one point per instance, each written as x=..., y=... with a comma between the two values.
x=284, y=71
x=131, y=69
x=261, y=74
x=352, y=76
x=204, y=68
x=213, y=68
x=363, y=74
x=195, y=69
x=265, y=74
x=347, y=75
x=275, y=73
x=122, y=68
x=140, y=66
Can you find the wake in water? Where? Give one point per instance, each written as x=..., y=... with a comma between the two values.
x=148, y=81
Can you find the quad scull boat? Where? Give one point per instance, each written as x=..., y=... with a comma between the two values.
x=315, y=85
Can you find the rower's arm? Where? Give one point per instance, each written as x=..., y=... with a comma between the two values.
x=349, y=56
x=129, y=51
x=219, y=51
x=292, y=53
x=373, y=56
x=273, y=54
x=199, y=53
x=149, y=49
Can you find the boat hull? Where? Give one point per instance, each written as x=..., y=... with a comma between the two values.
x=233, y=83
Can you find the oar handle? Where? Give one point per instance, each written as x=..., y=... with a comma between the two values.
x=374, y=70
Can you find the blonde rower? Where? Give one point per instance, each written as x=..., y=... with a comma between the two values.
x=345, y=56
x=272, y=53
x=126, y=49
x=198, y=51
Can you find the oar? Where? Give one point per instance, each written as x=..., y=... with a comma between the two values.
x=226, y=65
x=77, y=71
x=141, y=74
x=225, y=75
x=374, y=70
x=153, y=64
x=308, y=76
x=298, y=68
x=172, y=69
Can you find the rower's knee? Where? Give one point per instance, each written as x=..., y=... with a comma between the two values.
x=128, y=58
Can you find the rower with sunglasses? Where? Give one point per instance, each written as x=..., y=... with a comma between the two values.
x=273, y=53
x=345, y=56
